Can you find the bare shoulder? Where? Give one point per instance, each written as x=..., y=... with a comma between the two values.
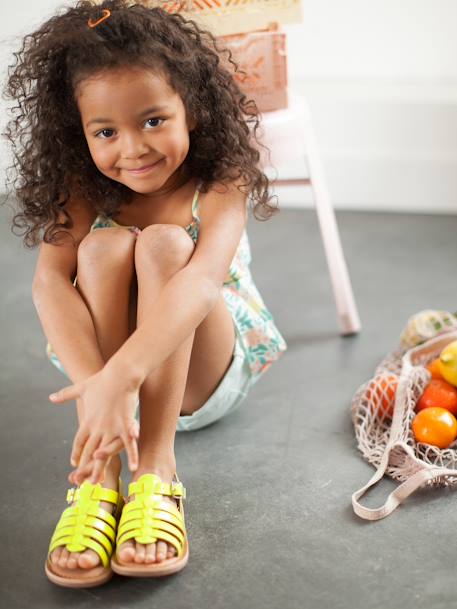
x=223, y=199
x=223, y=217
x=61, y=258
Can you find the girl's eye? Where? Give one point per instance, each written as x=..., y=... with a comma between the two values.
x=107, y=133
x=156, y=121
x=104, y=131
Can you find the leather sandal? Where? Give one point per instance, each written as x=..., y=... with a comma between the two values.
x=86, y=525
x=148, y=519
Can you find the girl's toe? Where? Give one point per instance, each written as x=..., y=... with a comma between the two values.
x=126, y=552
x=72, y=562
x=63, y=559
x=161, y=550
x=55, y=556
x=150, y=554
x=88, y=559
x=140, y=552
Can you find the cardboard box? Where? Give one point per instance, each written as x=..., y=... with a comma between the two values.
x=262, y=60
x=225, y=17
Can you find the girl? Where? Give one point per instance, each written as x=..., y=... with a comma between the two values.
x=128, y=122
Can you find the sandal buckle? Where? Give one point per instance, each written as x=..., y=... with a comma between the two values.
x=177, y=489
x=70, y=495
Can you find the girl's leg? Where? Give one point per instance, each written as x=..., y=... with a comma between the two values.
x=161, y=251
x=105, y=274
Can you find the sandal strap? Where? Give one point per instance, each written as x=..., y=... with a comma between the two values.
x=147, y=518
x=71, y=514
x=98, y=493
x=87, y=525
x=152, y=484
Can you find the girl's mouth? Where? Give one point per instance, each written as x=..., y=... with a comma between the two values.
x=144, y=169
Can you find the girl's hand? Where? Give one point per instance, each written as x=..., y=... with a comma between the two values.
x=94, y=471
x=107, y=424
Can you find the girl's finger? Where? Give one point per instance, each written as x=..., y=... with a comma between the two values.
x=67, y=393
x=98, y=470
x=109, y=450
x=85, y=473
x=78, y=444
x=94, y=471
x=131, y=448
x=78, y=476
x=134, y=430
x=87, y=454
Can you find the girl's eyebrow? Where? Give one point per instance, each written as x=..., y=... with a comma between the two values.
x=150, y=110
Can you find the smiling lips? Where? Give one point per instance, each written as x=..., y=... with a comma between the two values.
x=143, y=169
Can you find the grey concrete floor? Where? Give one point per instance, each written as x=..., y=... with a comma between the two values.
x=269, y=509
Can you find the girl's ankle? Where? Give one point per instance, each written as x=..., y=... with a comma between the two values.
x=164, y=470
x=113, y=470
x=155, y=462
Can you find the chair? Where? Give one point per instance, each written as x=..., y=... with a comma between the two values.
x=295, y=160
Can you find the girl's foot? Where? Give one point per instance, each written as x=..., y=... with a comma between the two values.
x=64, y=561
x=132, y=551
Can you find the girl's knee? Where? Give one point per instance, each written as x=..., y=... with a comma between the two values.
x=113, y=245
x=165, y=244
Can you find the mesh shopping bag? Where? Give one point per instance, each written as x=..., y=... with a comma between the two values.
x=383, y=409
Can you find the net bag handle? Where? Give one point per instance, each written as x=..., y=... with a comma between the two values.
x=402, y=491
x=426, y=472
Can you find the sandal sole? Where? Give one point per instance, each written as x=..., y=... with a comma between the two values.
x=81, y=582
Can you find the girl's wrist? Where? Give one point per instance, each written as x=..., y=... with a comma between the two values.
x=123, y=373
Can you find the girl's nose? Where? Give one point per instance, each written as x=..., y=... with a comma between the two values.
x=133, y=146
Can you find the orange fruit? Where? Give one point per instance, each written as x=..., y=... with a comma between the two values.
x=381, y=393
x=438, y=393
x=435, y=426
x=434, y=368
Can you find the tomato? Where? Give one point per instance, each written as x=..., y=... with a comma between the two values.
x=435, y=426
x=381, y=393
x=435, y=369
x=438, y=393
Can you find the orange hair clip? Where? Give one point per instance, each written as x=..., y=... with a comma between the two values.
x=106, y=14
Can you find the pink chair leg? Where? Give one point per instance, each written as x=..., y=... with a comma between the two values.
x=348, y=316
x=280, y=136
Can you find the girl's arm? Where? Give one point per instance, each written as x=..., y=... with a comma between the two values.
x=66, y=321
x=191, y=293
x=69, y=328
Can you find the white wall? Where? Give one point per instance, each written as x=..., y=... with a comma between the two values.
x=380, y=77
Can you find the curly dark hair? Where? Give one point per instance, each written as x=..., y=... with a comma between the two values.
x=51, y=156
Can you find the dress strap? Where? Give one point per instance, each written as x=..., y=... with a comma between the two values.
x=195, y=203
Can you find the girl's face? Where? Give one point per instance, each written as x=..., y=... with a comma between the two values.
x=136, y=128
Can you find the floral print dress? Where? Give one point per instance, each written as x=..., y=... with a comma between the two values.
x=254, y=324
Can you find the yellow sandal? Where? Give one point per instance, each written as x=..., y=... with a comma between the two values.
x=86, y=525
x=147, y=519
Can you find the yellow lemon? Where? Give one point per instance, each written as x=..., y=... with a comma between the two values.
x=448, y=363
